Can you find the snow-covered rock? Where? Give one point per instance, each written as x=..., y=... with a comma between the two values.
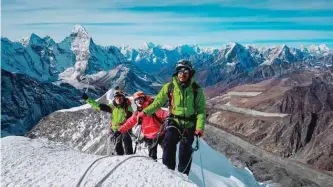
x=89, y=57
x=316, y=50
x=278, y=55
x=151, y=57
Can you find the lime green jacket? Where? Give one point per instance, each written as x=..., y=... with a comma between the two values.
x=119, y=114
x=182, y=104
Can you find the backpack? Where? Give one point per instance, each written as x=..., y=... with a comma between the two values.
x=195, y=88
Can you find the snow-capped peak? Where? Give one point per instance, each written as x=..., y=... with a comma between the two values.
x=232, y=46
x=33, y=39
x=80, y=47
x=49, y=40
x=25, y=41
x=167, y=47
x=78, y=29
x=323, y=47
x=314, y=49
x=283, y=48
x=147, y=45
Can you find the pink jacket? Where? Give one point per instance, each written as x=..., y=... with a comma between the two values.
x=150, y=125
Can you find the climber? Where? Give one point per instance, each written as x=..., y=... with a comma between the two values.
x=187, y=115
x=121, y=110
x=151, y=126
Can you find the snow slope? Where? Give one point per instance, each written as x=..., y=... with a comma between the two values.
x=218, y=171
x=41, y=162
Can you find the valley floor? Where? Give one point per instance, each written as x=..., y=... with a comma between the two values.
x=264, y=165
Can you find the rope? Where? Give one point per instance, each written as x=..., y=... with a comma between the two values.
x=156, y=140
x=202, y=173
x=110, y=172
x=81, y=179
x=192, y=151
x=188, y=163
x=84, y=174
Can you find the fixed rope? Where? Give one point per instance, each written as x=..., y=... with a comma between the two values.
x=114, y=168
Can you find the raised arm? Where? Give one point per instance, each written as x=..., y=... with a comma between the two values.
x=130, y=123
x=99, y=106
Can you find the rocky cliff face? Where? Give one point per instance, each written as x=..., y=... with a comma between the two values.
x=24, y=101
x=309, y=134
x=289, y=116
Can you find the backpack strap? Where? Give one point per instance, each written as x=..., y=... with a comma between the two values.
x=170, y=93
x=125, y=106
x=158, y=119
x=195, y=88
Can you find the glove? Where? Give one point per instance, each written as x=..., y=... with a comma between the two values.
x=199, y=133
x=116, y=134
x=141, y=115
x=85, y=96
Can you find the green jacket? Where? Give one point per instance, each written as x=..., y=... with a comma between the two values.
x=182, y=104
x=119, y=115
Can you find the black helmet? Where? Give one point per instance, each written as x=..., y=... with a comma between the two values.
x=184, y=64
x=118, y=93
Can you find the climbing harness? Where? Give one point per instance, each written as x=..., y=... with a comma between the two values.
x=156, y=140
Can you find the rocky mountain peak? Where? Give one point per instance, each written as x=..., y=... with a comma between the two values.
x=33, y=39
x=80, y=30
x=147, y=46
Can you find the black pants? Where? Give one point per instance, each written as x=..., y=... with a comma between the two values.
x=127, y=140
x=171, y=139
x=152, y=146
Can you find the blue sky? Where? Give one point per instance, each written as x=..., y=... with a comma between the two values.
x=208, y=23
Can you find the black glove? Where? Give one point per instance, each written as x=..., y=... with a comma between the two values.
x=116, y=134
x=85, y=96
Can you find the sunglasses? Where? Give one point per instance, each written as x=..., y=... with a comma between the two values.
x=118, y=96
x=185, y=71
x=140, y=99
